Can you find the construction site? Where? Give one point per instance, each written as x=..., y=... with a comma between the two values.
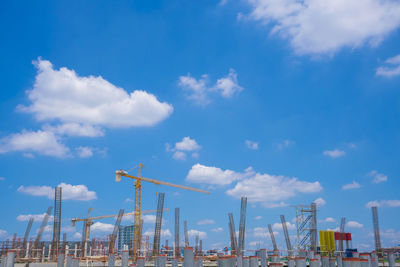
x=127, y=246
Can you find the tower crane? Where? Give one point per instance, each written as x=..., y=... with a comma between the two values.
x=88, y=222
x=138, y=199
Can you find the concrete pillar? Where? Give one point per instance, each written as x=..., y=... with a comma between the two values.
x=315, y=263
x=263, y=257
x=356, y=262
x=253, y=261
x=125, y=258
x=200, y=261
x=332, y=262
x=291, y=262
x=3, y=260
x=76, y=250
x=311, y=254
x=302, y=253
x=69, y=261
x=392, y=263
x=160, y=260
x=49, y=253
x=339, y=261
x=275, y=264
x=140, y=261
x=374, y=260
x=75, y=262
x=60, y=260
x=10, y=258
x=188, y=257
x=245, y=262
x=27, y=250
x=325, y=261
x=300, y=262
x=239, y=261
x=364, y=263
x=275, y=258
x=66, y=250
x=111, y=260
x=174, y=262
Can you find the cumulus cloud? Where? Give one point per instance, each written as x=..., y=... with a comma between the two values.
x=377, y=177
x=179, y=155
x=36, y=217
x=320, y=202
x=41, y=142
x=251, y=144
x=354, y=224
x=353, y=185
x=102, y=227
x=278, y=226
x=198, y=90
x=324, y=27
x=73, y=192
x=391, y=69
x=271, y=190
x=284, y=144
x=84, y=151
x=212, y=175
x=75, y=129
x=186, y=145
x=384, y=203
x=336, y=153
x=206, y=221
x=328, y=220
x=258, y=218
x=3, y=233
x=194, y=233
x=63, y=95
x=164, y=233
x=217, y=230
x=260, y=232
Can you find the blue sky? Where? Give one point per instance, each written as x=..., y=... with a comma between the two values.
x=284, y=102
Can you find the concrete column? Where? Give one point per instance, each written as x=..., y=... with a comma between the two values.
x=356, y=262
x=239, y=261
x=392, y=263
x=188, y=257
x=276, y=264
x=49, y=253
x=160, y=260
x=75, y=262
x=76, y=250
x=66, y=250
x=311, y=254
x=10, y=258
x=3, y=260
x=374, y=260
x=325, y=261
x=332, y=262
x=69, y=261
x=263, y=257
x=364, y=263
x=27, y=250
x=245, y=262
x=300, y=262
x=302, y=253
x=315, y=263
x=200, y=261
x=174, y=262
x=275, y=258
x=253, y=261
x=140, y=261
x=125, y=258
x=111, y=260
x=60, y=260
x=339, y=261
x=291, y=262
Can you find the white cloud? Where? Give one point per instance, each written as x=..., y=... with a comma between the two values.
x=217, y=230
x=206, y=221
x=377, y=177
x=36, y=217
x=73, y=192
x=187, y=144
x=164, y=233
x=271, y=190
x=384, y=203
x=68, y=229
x=336, y=153
x=128, y=199
x=199, y=90
x=75, y=129
x=320, y=202
x=251, y=144
x=179, y=155
x=102, y=227
x=3, y=233
x=64, y=96
x=212, y=175
x=194, y=233
x=278, y=226
x=328, y=220
x=260, y=232
x=284, y=144
x=353, y=185
x=324, y=27
x=84, y=151
x=258, y=218
x=256, y=243
x=354, y=224
x=41, y=142
x=391, y=69
x=77, y=236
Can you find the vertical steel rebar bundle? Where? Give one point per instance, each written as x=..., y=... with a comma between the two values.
x=377, y=235
x=26, y=236
x=232, y=233
x=157, y=229
x=287, y=239
x=37, y=246
x=113, y=236
x=271, y=234
x=185, y=228
x=177, y=232
x=342, y=225
x=242, y=225
x=313, y=229
x=57, y=221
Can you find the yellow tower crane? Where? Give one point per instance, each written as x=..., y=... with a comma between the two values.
x=89, y=221
x=138, y=200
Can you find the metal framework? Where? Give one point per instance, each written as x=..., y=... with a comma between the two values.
x=342, y=225
x=185, y=229
x=242, y=225
x=41, y=230
x=157, y=229
x=26, y=236
x=57, y=221
x=232, y=232
x=377, y=235
x=287, y=239
x=271, y=234
x=306, y=224
x=113, y=236
x=177, y=254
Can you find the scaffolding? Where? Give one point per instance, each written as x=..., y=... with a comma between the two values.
x=306, y=224
x=157, y=230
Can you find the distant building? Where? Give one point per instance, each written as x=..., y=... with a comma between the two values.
x=125, y=236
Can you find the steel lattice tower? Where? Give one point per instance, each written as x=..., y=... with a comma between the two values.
x=176, y=232
x=242, y=225
x=377, y=235
x=157, y=230
x=57, y=220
